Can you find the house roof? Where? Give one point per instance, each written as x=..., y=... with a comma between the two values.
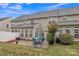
x=1, y=19
x=74, y=22
x=22, y=25
x=57, y=12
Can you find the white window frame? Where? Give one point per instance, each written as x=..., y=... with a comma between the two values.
x=60, y=29
x=76, y=33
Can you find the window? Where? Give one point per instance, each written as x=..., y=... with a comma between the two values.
x=64, y=18
x=15, y=30
x=22, y=33
x=32, y=22
x=30, y=33
x=7, y=26
x=76, y=30
x=36, y=33
x=60, y=31
x=76, y=33
x=26, y=33
x=12, y=30
x=49, y=22
x=67, y=31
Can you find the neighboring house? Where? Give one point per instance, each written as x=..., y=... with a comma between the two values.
x=5, y=24
x=67, y=19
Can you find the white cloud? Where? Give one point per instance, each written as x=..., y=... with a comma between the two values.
x=4, y=5
x=17, y=12
x=9, y=10
x=56, y=6
x=9, y=14
x=17, y=7
x=29, y=3
x=12, y=13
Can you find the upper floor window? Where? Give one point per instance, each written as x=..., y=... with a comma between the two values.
x=50, y=20
x=32, y=22
x=15, y=30
x=12, y=30
x=64, y=18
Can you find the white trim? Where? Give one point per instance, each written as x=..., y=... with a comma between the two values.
x=74, y=32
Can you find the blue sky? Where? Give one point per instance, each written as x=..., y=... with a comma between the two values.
x=17, y=9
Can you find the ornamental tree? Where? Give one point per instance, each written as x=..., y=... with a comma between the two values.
x=52, y=29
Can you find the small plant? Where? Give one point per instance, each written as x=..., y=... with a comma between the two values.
x=66, y=39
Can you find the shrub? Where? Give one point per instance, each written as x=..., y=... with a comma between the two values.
x=52, y=29
x=66, y=39
x=50, y=38
x=57, y=40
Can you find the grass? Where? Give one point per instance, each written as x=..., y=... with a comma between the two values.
x=53, y=50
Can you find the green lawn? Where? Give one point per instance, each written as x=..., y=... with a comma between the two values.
x=53, y=50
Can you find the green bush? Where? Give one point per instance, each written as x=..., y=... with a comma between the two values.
x=50, y=38
x=66, y=39
x=57, y=40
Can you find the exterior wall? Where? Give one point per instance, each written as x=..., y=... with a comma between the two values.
x=4, y=24
x=64, y=20
x=44, y=23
